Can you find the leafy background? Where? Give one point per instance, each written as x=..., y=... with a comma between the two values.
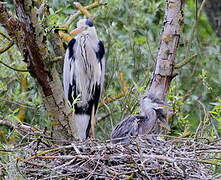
x=130, y=31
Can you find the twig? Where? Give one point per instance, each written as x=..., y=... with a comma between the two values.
x=65, y=164
x=83, y=10
x=194, y=26
x=17, y=103
x=32, y=163
x=22, y=127
x=101, y=117
x=202, y=122
x=74, y=16
x=2, y=50
x=123, y=93
x=185, y=61
x=5, y=36
x=19, y=70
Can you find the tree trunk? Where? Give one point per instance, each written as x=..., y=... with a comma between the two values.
x=164, y=69
x=31, y=39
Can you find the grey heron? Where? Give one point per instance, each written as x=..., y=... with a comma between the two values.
x=153, y=112
x=83, y=75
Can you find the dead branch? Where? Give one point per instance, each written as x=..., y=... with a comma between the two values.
x=194, y=27
x=11, y=43
x=17, y=103
x=78, y=13
x=185, y=61
x=14, y=69
x=83, y=10
x=22, y=127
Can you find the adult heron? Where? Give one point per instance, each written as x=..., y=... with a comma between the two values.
x=153, y=113
x=83, y=76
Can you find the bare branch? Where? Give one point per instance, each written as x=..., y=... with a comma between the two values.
x=201, y=127
x=185, y=61
x=19, y=70
x=83, y=10
x=78, y=13
x=4, y=49
x=17, y=103
x=22, y=127
x=5, y=36
x=194, y=27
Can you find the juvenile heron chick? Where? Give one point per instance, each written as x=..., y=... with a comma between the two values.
x=83, y=76
x=152, y=112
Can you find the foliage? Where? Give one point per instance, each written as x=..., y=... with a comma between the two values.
x=130, y=31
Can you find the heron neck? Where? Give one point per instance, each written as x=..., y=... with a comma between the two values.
x=93, y=34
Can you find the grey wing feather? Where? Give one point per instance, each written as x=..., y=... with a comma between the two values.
x=66, y=74
x=100, y=56
x=103, y=72
x=127, y=127
x=68, y=71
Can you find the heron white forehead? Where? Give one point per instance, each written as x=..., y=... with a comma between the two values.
x=81, y=23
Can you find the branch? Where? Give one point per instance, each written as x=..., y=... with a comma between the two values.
x=65, y=36
x=124, y=90
x=18, y=103
x=5, y=36
x=19, y=70
x=185, y=61
x=194, y=27
x=78, y=13
x=22, y=127
x=4, y=49
x=202, y=121
x=83, y=10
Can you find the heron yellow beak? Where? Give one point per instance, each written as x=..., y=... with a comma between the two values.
x=76, y=31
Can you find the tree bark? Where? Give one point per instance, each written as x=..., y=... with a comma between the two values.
x=164, y=68
x=31, y=39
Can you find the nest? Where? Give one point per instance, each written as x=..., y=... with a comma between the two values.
x=143, y=158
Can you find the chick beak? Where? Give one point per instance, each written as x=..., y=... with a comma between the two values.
x=165, y=125
x=165, y=106
x=76, y=31
x=163, y=121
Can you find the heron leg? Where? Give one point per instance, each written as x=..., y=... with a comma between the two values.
x=93, y=123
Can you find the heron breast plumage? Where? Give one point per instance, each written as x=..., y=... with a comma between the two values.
x=87, y=69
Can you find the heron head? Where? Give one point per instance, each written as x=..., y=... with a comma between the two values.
x=162, y=108
x=84, y=26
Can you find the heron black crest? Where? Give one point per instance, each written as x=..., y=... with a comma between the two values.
x=89, y=23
